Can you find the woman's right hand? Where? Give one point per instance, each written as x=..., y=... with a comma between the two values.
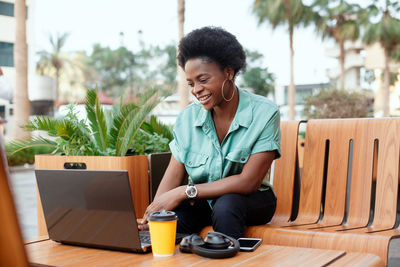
x=167, y=196
x=143, y=226
x=166, y=201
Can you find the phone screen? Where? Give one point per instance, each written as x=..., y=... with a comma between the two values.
x=248, y=243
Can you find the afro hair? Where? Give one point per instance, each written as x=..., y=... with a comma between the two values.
x=213, y=44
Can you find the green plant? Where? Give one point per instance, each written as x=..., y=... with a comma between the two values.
x=334, y=103
x=27, y=157
x=103, y=133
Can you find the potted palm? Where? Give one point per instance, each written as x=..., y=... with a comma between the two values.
x=106, y=139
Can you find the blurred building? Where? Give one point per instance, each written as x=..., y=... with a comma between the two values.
x=360, y=59
x=354, y=62
x=375, y=61
x=303, y=91
x=41, y=89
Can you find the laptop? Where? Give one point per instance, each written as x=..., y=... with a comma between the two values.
x=92, y=208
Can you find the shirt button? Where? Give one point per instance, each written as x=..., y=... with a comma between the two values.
x=205, y=126
x=190, y=163
x=235, y=124
x=242, y=159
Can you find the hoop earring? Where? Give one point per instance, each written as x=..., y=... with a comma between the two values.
x=222, y=90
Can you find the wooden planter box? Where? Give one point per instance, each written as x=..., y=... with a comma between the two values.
x=137, y=167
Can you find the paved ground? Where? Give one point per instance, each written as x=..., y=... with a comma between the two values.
x=23, y=185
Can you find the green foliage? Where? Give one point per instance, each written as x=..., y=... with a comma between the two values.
x=260, y=80
x=386, y=30
x=168, y=67
x=155, y=126
x=122, y=70
x=28, y=155
x=257, y=77
x=97, y=120
x=71, y=136
x=281, y=12
x=337, y=19
x=103, y=133
x=334, y=103
x=115, y=68
x=150, y=143
x=128, y=123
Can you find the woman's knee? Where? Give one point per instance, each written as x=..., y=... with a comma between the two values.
x=229, y=203
x=229, y=215
x=229, y=207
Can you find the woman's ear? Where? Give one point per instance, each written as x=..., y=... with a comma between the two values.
x=229, y=73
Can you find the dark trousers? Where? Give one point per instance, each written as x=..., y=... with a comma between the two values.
x=231, y=213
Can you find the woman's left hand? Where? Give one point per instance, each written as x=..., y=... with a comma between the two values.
x=166, y=201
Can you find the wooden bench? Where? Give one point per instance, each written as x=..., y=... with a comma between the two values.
x=42, y=251
x=348, y=193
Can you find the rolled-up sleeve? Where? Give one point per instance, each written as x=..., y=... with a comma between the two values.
x=270, y=137
x=176, y=149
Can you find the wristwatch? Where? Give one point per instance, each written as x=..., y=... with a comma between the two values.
x=191, y=192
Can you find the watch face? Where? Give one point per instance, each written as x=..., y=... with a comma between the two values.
x=191, y=191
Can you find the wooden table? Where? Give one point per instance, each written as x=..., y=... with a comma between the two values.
x=47, y=252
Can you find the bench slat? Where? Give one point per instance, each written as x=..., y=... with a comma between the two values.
x=387, y=132
x=312, y=177
x=358, y=260
x=284, y=172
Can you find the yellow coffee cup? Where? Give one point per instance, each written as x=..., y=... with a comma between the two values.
x=162, y=226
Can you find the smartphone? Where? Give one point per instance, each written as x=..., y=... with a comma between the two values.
x=249, y=244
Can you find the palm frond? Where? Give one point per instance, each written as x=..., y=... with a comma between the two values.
x=18, y=146
x=147, y=95
x=132, y=124
x=83, y=133
x=43, y=123
x=65, y=128
x=155, y=126
x=120, y=121
x=97, y=120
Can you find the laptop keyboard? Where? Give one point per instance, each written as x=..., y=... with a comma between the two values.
x=144, y=237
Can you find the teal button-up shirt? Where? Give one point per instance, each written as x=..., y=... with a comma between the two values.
x=255, y=128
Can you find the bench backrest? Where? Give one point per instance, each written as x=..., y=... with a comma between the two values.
x=284, y=171
x=12, y=251
x=387, y=133
x=339, y=158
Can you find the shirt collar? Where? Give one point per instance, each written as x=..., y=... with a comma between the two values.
x=244, y=112
x=201, y=118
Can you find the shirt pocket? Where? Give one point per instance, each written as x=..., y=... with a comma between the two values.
x=196, y=166
x=194, y=160
x=235, y=161
x=238, y=155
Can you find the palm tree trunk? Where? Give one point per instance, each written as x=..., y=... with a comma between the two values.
x=182, y=89
x=292, y=89
x=57, y=96
x=21, y=101
x=386, y=86
x=341, y=62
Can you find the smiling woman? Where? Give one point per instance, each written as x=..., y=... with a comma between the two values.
x=226, y=143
